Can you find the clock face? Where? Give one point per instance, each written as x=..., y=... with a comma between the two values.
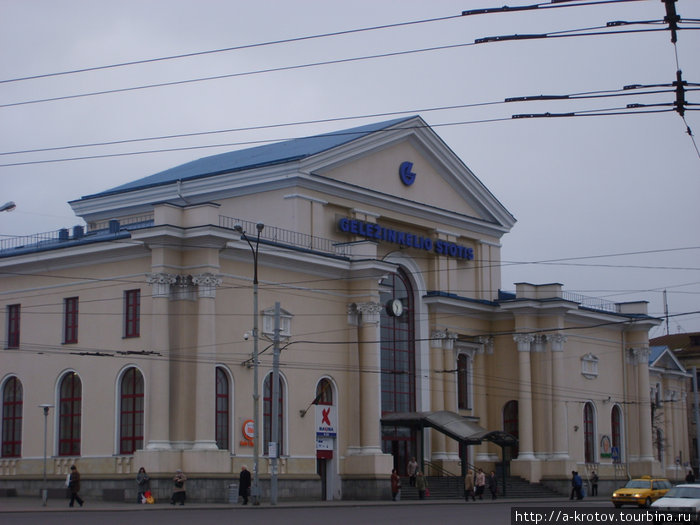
x=395, y=307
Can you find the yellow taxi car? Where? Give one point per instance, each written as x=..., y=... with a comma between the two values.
x=641, y=492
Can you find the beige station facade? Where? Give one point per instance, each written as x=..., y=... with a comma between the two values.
x=383, y=251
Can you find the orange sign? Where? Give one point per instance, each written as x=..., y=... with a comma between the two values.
x=248, y=433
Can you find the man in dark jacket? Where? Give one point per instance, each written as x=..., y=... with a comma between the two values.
x=244, y=484
x=74, y=486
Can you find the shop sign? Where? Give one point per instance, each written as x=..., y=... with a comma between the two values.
x=326, y=421
x=402, y=238
x=248, y=431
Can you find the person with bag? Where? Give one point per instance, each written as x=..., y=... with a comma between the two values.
x=480, y=483
x=469, y=486
x=179, y=491
x=395, y=485
x=421, y=485
x=143, y=485
x=74, y=486
x=244, y=484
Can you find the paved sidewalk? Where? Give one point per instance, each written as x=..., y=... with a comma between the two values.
x=29, y=504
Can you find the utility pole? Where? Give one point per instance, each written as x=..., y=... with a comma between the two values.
x=274, y=437
x=696, y=414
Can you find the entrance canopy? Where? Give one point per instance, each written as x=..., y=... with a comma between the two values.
x=453, y=425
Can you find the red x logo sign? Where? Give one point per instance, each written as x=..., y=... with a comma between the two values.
x=324, y=416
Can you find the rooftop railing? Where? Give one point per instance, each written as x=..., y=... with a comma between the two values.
x=287, y=237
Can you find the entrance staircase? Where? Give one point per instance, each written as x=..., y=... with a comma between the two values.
x=452, y=487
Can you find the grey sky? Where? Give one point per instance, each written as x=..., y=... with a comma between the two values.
x=579, y=187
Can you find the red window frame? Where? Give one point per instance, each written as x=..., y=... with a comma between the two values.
x=222, y=410
x=70, y=320
x=131, y=404
x=463, y=401
x=12, y=418
x=267, y=415
x=13, y=325
x=616, y=425
x=132, y=313
x=588, y=433
x=70, y=417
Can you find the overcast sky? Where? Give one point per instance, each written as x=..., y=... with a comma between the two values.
x=583, y=189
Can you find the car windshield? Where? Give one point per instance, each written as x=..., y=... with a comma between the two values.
x=684, y=492
x=638, y=484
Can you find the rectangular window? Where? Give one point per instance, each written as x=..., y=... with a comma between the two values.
x=13, y=326
x=132, y=313
x=70, y=320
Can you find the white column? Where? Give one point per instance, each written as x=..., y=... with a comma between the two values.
x=370, y=377
x=559, y=443
x=157, y=419
x=438, y=446
x=205, y=387
x=481, y=399
x=526, y=443
x=646, y=452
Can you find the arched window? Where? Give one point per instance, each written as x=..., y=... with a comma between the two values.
x=69, y=415
x=131, y=402
x=267, y=415
x=324, y=392
x=223, y=409
x=616, y=426
x=589, y=432
x=398, y=365
x=12, y=418
x=463, y=373
x=510, y=425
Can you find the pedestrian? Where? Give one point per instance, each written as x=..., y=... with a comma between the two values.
x=411, y=470
x=492, y=483
x=244, y=484
x=395, y=485
x=74, y=487
x=690, y=477
x=594, y=484
x=179, y=490
x=421, y=484
x=480, y=483
x=143, y=485
x=469, y=486
x=576, y=486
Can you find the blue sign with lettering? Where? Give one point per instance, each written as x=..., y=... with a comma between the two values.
x=407, y=176
x=376, y=232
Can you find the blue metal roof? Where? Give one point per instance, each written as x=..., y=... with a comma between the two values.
x=269, y=154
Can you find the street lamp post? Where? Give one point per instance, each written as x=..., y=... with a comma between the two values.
x=255, y=489
x=44, y=489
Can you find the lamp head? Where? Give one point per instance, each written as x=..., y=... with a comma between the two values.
x=238, y=228
x=8, y=206
x=259, y=226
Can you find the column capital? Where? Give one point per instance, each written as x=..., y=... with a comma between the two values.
x=206, y=284
x=539, y=343
x=557, y=341
x=638, y=355
x=486, y=343
x=161, y=282
x=524, y=341
x=364, y=313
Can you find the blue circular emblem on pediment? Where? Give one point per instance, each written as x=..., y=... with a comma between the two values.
x=407, y=176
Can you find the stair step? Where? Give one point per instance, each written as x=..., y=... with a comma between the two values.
x=452, y=487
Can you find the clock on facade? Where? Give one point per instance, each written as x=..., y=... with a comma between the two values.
x=394, y=307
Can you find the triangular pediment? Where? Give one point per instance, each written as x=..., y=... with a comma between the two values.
x=437, y=178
